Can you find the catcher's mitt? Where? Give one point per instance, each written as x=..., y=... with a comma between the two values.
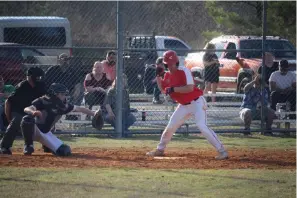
x=97, y=120
x=160, y=71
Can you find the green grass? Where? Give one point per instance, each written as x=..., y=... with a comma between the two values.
x=229, y=140
x=124, y=182
x=146, y=183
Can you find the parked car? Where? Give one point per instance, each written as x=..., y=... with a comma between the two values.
x=16, y=58
x=41, y=31
x=232, y=69
x=136, y=57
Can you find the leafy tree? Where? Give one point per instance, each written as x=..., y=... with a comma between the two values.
x=281, y=18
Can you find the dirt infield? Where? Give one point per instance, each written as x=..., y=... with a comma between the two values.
x=135, y=158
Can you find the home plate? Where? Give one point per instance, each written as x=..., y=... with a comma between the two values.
x=169, y=158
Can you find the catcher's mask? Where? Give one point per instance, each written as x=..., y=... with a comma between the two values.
x=36, y=74
x=58, y=93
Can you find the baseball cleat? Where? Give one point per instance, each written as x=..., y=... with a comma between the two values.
x=5, y=151
x=222, y=155
x=28, y=150
x=155, y=153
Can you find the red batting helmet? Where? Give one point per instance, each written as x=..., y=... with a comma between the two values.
x=170, y=57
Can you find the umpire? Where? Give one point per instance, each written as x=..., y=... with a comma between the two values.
x=26, y=91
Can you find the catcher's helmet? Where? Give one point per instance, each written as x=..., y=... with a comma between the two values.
x=170, y=57
x=57, y=88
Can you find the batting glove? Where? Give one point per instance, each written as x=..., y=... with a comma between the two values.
x=169, y=90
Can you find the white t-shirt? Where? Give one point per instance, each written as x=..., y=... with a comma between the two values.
x=283, y=81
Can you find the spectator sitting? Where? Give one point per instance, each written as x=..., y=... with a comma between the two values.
x=110, y=65
x=5, y=92
x=212, y=70
x=96, y=85
x=110, y=106
x=251, y=106
x=282, y=85
x=65, y=74
x=150, y=81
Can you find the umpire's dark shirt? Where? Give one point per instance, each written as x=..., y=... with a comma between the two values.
x=24, y=95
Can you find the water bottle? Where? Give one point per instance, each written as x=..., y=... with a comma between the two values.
x=143, y=115
x=288, y=108
x=279, y=110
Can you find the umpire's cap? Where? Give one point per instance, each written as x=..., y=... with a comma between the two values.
x=283, y=64
x=57, y=88
x=35, y=72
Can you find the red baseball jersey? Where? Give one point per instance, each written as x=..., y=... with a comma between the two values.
x=180, y=78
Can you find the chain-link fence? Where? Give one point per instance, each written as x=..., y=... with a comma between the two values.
x=81, y=50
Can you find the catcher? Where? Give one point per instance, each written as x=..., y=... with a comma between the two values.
x=43, y=115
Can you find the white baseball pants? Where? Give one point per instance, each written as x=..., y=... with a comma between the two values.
x=181, y=114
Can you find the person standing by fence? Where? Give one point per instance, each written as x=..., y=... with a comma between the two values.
x=211, y=70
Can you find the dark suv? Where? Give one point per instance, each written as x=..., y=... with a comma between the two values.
x=13, y=60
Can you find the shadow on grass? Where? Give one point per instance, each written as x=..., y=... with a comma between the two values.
x=86, y=185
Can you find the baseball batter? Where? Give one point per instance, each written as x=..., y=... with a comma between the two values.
x=179, y=84
x=47, y=110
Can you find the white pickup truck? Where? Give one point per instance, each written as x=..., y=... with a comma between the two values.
x=136, y=56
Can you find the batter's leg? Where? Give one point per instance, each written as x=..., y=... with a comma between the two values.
x=176, y=120
x=209, y=134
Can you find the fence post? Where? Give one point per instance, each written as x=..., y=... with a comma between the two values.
x=119, y=70
x=264, y=28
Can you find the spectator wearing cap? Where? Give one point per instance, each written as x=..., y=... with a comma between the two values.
x=150, y=82
x=65, y=74
x=282, y=85
x=109, y=65
x=26, y=91
x=5, y=92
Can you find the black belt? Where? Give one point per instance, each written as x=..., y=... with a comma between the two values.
x=191, y=101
